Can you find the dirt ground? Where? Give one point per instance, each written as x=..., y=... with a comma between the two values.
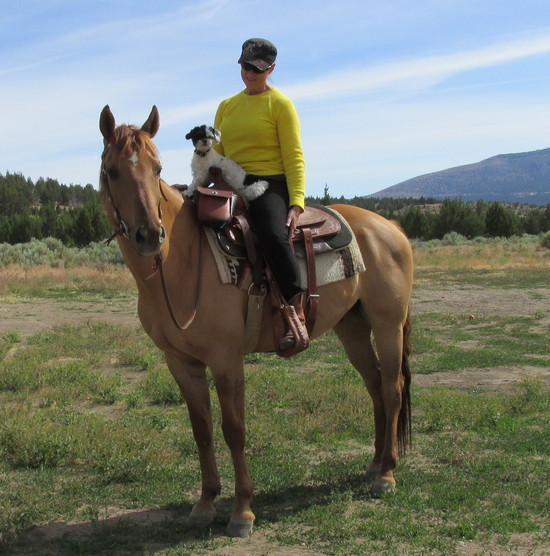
x=471, y=301
x=474, y=301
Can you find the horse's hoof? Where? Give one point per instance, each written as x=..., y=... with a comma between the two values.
x=240, y=529
x=382, y=487
x=200, y=520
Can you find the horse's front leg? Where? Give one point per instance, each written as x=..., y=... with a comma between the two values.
x=191, y=378
x=229, y=380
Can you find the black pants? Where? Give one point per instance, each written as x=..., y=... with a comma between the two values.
x=269, y=213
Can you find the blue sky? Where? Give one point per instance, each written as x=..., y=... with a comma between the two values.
x=386, y=90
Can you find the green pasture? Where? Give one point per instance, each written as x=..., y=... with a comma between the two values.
x=97, y=454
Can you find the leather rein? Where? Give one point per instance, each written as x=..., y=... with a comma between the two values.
x=157, y=267
x=123, y=230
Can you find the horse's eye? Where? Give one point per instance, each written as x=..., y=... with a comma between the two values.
x=112, y=173
x=158, y=171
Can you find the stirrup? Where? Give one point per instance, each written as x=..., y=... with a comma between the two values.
x=296, y=332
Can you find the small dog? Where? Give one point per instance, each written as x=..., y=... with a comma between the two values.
x=204, y=138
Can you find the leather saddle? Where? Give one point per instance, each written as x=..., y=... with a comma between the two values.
x=322, y=225
x=318, y=230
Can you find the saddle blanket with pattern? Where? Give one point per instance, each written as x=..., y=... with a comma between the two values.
x=331, y=266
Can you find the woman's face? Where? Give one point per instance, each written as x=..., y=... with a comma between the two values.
x=255, y=83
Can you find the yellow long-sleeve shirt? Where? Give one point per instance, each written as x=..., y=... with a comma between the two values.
x=262, y=134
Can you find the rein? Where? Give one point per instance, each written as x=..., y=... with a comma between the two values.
x=124, y=231
x=158, y=267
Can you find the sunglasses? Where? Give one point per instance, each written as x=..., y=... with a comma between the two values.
x=250, y=67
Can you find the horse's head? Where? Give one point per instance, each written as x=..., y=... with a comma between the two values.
x=130, y=181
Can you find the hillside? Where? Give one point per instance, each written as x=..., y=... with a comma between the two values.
x=516, y=178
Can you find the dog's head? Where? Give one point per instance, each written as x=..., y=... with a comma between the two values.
x=203, y=137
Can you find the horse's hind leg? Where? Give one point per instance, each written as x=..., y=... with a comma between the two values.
x=354, y=332
x=389, y=346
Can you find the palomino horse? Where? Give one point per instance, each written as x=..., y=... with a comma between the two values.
x=153, y=218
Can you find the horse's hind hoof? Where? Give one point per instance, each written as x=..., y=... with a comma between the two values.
x=240, y=529
x=382, y=487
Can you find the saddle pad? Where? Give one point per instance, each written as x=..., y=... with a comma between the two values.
x=331, y=266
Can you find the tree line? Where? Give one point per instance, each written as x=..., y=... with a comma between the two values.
x=74, y=215
x=70, y=213
x=429, y=218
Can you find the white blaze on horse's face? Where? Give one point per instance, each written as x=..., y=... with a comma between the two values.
x=134, y=158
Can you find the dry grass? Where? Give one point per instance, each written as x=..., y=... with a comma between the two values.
x=495, y=254
x=17, y=279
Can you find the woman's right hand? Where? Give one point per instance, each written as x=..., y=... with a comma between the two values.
x=292, y=218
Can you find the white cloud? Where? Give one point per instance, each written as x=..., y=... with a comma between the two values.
x=417, y=73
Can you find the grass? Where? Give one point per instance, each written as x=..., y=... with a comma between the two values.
x=509, y=278
x=97, y=454
x=445, y=342
x=68, y=428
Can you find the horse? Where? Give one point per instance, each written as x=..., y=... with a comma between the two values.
x=369, y=313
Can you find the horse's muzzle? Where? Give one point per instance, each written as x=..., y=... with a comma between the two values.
x=148, y=241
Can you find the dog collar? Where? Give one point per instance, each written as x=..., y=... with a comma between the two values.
x=200, y=153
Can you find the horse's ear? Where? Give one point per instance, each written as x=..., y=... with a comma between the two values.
x=151, y=126
x=107, y=124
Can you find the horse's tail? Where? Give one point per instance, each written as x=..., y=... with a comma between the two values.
x=404, y=426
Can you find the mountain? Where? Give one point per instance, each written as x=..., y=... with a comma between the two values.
x=514, y=178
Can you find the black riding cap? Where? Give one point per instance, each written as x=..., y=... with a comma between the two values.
x=259, y=53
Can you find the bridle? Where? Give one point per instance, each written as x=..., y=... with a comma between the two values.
x=123, y=230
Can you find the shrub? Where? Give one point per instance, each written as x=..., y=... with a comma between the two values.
x=453, y=238
x=51, y=252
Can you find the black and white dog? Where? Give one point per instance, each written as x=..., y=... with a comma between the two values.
x=204, y=138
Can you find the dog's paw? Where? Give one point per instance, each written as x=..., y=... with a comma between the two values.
x=254, y=190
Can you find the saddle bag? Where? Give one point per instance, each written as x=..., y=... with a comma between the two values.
x=215, y=206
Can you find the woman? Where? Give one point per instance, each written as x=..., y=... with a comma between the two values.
x=260, y=131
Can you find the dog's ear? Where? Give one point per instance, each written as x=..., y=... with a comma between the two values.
x=217, y=134
x=192, y=133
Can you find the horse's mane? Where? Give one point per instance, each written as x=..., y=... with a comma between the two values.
x=125, y=141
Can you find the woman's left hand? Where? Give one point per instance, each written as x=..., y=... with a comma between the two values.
x=292, y=218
